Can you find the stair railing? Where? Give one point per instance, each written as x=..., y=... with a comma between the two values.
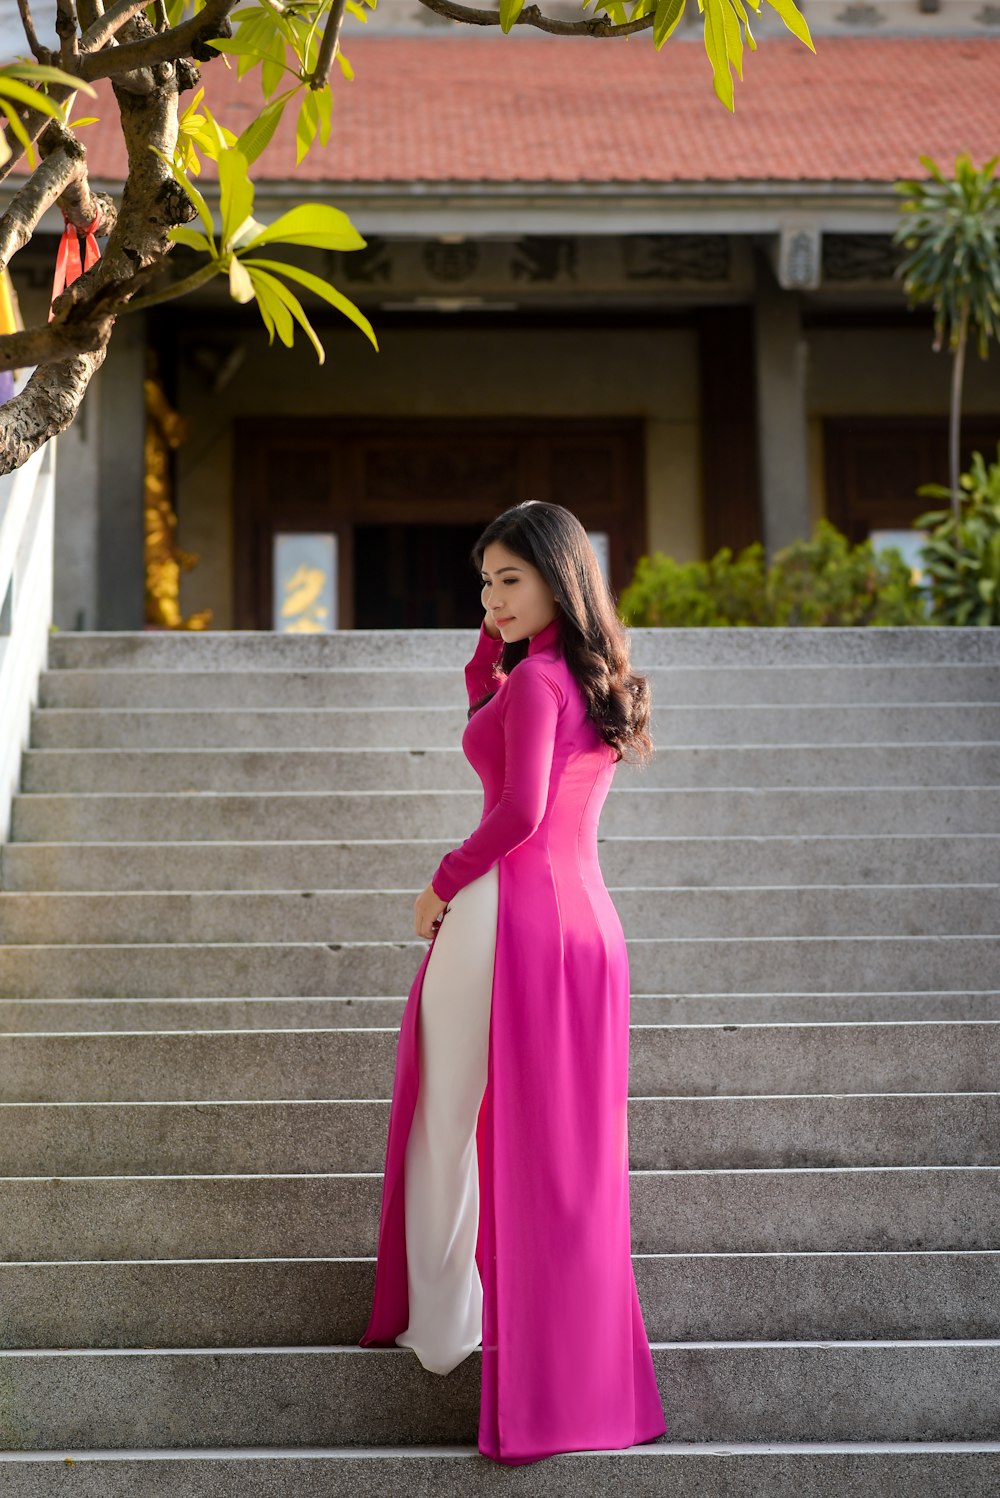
x=27, y=515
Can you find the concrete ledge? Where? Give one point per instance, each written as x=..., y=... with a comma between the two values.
x=714, y=965
x=209, y=816
x=748, y=862
x=664, y=1060
x=310, y=1302
x=366, y=729
x=444, y=686
x=374, y=914
x=779, y=1391
x=72, y=1139
x=376, y=649
x=714, y=1470
x=944, y=1208
x=395, y=771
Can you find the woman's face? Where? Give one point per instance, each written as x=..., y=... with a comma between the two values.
x=515, y=594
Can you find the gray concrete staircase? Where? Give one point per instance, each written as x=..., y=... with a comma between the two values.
x=205, y=943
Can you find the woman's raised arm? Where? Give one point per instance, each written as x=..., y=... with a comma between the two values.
x=479, y=672
x=529, y=707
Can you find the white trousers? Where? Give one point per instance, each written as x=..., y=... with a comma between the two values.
x=441, y=1188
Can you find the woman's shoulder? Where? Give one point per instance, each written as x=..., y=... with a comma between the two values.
x=534, y=672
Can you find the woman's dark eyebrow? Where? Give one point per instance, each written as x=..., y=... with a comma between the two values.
x=502, y=569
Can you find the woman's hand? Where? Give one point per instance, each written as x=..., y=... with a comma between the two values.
x=428, y=911
x=491, y=628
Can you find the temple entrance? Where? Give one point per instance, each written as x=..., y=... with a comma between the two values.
x=369, y=524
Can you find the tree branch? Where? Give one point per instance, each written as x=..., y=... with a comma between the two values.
x=600, y=26
x=106, y=27
x=329, y=45
x=67, y=33
x=61, y=177
x=45, y=407
x=41, y=54
x=161, y=47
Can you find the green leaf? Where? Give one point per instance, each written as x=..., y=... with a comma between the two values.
x=322, y=289
x=13, y=88
x=258, y=134
x=268, y=298
x=715, y=46
x=509, y=12
x=324, y=104
x=668, y=14
x=41, y=73
x=18, y=131
x=316, y=224
x=794, y=20
x=181, y=234
x=734, y=39
x=235, y=192
x=741, y=12
x=306, y=125
x=294, y=307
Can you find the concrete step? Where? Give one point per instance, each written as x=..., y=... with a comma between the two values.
x=770, y=1391
x=665, y=1133
x=383, y=771
x=401, y=650
x=715, y=965
x=365, y=864
x=443, y=686
x=871, y=1209
x=283, y=816
x=664, y=1060
x=313, y=1302
x=718, y=1469
x=349, y=1012
x=383, y=915
x=419, y=725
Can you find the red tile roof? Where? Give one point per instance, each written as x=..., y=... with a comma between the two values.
x=537, y=109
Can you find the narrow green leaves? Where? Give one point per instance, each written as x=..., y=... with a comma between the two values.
x=718, y=53
x=794, y=20
x=312, y=225
x=16, y=92
x=668, y=13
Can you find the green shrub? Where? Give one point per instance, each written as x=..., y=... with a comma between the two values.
x=962, y=557
x=822, y=581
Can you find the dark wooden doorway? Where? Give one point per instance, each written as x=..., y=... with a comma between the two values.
x=874, y=465
x=407, y=500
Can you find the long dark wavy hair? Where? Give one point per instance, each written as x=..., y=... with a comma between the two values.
x=595, y=642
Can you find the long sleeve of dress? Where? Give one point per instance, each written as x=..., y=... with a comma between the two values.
x=529, y=708
x=479, y=672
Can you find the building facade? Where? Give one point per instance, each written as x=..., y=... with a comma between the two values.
x=590, y=283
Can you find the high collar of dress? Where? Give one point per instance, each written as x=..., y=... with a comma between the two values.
x=546, y=637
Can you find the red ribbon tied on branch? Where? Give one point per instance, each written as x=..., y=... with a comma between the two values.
x=68, y=265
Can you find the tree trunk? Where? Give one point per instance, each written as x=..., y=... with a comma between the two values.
x=957, y=372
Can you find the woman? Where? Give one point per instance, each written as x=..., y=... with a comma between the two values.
x=505, y=1201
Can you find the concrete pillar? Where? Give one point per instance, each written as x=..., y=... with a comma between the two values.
x=121, y=437
x=780, y=356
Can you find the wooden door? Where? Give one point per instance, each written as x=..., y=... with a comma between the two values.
x=874, y=465
x=407, y=500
